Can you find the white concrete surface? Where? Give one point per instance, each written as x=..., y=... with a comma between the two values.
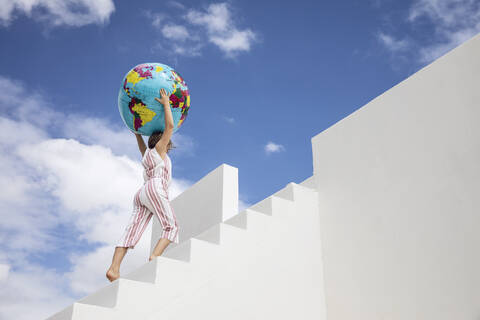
x=399, y=198
x=386, y=228
x=255, y=265
x=275, y=277
x=209, y=201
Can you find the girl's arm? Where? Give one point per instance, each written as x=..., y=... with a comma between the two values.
x=141, y=144
x=161, y=145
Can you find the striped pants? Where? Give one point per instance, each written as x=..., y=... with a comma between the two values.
x=149, y=199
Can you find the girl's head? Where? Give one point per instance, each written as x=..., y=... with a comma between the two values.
x=155, y=137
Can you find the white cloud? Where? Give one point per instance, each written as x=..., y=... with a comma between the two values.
x=176, y=4
x=20, y=189
x=221, y=28
x=449, y=13
x=242, y=204
x=53, y=12
x=184, y=145
x=4, y=268
x=190, y=49
x=229, y=119
x=179, y=48
x=83, y=177
x=155, y=18
x=272, y=147
x=391, y=43
x=178, y=186
x=82, y=187
x=91, y=131
x=29, y=294
x=88, y=269
x=234, y=41
x=216, y=19
x=176, y=32
x=453, y=22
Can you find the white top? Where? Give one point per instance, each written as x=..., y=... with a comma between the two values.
x=156, y=168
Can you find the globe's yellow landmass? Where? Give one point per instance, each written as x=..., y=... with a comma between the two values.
x=146, y=115
x=134, y=77
x=158, y=69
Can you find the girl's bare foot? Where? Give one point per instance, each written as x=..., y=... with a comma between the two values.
x=113, y=275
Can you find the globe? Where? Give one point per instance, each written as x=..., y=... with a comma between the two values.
x=136, y=99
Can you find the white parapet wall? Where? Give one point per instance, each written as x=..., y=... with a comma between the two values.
x=399, y=198
x=211, y=200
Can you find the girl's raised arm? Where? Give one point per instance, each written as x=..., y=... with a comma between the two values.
x=141, y=144
x=161, y=145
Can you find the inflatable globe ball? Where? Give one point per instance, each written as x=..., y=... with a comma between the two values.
x=136, y=99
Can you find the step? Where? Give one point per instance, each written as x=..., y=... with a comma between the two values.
x=171, y=282
x=179, y=252
x=143, y=297
x=261, y=229
x=223, y=234
x=104, y=297
x=274, y=206
x=285, y=193
x=254, y=223
x=117, y=294
x=137, y=298
x=80, y=311
x=186, y=252
x=235, y=243
x=292, y=190
x=309, y=183
x=150, y=271
x=230, y=238
x=298, y=188
x=304, y=198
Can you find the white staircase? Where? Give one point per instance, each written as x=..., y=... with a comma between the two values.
x=397, y=199
x=213, y=267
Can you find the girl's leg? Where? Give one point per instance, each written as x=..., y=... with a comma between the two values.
x=134, y=230
x=113, y=272
x=158, y=250
x=164, y=212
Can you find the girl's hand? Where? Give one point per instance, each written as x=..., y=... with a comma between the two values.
x=165, y=100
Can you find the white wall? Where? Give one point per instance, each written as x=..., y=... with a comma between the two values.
x=211, y=200
x=399, y=198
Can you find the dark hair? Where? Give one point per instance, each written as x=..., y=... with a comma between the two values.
x=155, y=137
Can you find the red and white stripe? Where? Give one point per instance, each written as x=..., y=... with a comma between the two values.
x=152, y=198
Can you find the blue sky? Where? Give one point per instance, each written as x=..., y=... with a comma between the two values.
x=264, y=78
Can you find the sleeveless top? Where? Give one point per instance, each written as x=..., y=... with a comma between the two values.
x=156, y=168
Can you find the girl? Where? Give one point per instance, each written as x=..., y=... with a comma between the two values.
x=152, y=197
